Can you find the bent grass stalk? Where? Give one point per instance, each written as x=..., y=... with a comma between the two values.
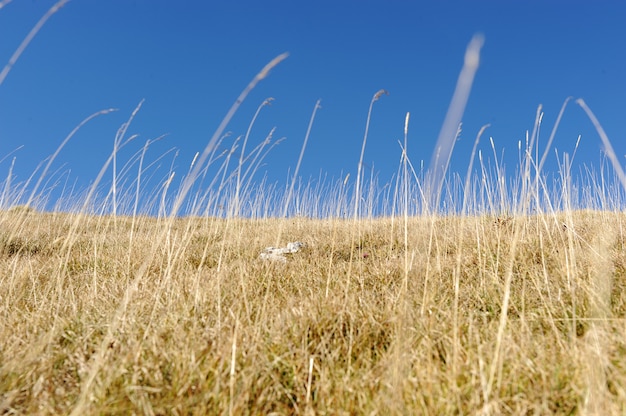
x=608, y=147
x=117, y=145
x=191, y=178
x=31, y=35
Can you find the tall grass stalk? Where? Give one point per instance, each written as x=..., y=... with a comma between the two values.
x=357, y=189
x=450, y=128
x=608, y=147
x=31, y=35
x=237, y=207
x=117, y=145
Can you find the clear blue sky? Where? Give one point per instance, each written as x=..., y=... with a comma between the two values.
x=189, y=60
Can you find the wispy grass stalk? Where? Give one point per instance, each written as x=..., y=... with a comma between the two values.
x=28, y=39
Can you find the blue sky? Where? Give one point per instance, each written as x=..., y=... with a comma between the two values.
x=190, y=60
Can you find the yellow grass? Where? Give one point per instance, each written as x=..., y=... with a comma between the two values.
x=416, y=314
x=180, y=316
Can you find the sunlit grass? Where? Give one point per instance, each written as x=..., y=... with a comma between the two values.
x=493, y=293
x=384, y=345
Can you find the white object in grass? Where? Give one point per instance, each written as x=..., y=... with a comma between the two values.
x=278, y=253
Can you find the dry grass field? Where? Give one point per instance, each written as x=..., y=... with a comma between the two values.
x=510, y=300
x=425, y=315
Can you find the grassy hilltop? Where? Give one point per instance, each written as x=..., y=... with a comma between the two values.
x=104, y=315
x=511, y=300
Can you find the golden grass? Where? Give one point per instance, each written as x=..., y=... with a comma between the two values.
x=427, y=315
x=181, y=317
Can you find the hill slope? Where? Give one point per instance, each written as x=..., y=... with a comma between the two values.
x=103, y=315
